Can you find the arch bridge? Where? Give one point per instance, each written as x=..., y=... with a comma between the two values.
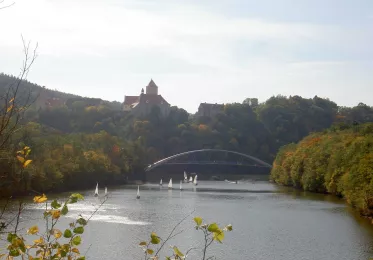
x=210, y=157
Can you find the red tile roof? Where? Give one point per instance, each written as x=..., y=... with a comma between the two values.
x=129, y=100
x=152, y=99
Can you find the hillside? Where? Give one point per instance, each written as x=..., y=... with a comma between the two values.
x=337, y=161
x=75, y=138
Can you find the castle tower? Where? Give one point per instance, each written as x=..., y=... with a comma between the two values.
x=142, y=91
x=151, y=88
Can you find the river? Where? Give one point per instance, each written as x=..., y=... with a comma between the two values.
x=268, y=222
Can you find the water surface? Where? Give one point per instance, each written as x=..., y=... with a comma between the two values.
x=268, y=222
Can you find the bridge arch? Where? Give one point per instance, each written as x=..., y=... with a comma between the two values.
x=165, y=160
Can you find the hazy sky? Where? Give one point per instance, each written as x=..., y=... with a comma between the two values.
x=196, y=51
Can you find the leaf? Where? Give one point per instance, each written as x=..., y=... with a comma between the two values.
x=149, y=251
x=40, y=199
x=56, y=214
x=57, y=233
x=9, y=108
x=78, y=196
x=10, y=101
x=55, y=204
x=10, y=237
x=213, y=227
x=154, y=238
x=143, y=243
x=26, y=163
x=78, y=230
x=198, y=221
x=76, y=240
x=219, y=236
x=20, y=159
x=81, y=258
x=75, y=250
x=229, y=227
x=177, y=252
x=33, y=230
x=67, y=233
x=82, y=221
x=39, y=241
x=64, y=210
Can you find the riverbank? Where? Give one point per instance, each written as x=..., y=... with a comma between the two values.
x=338, y=161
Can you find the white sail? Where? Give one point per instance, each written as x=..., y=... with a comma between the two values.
x=96, y=191
x=185, y=176
x=160, y=183
x=191, y=179
x=195, y=180
x=138, y=192
x=181, y=186
x=105, y=191
x=170, y=184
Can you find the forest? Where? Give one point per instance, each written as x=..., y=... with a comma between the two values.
x=338, y=161
x=83, y=140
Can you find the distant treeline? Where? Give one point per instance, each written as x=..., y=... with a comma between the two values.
x=253, y=128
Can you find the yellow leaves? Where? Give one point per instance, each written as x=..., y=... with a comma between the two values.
x=20, y=159
x=57, y=233
x=40, y=199
x=75, y=250
x=56, y=214
x=9, y=108
x=39, y=241
x=33, y=230
x=22, y=155
x=26, y=163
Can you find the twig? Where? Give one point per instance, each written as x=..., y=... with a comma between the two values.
x=18, y=216
x=172, y=231
x=6, y=6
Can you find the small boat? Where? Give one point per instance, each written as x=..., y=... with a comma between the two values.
x=190, y=179
x=105, y=191
x=138, y=192
x=181, y=186
x=195, y=180
x=160, y=183
x=185, y=177
x=170, y=184
x=233, y=182
x=96, y=191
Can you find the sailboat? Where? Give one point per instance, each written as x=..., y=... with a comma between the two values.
x=170, y=184
x=160, y=183
x=181, y=187
x=195, y=180
x=191, y=179
x=105, y=191
x=138, y=192
x=96, y=191
x=185, y=177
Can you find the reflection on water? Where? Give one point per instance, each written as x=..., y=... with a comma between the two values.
x=268, y=222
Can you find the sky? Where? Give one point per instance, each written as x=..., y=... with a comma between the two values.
x=215, y=51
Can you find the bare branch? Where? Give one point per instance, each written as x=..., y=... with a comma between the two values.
x=6, y=6
x=172, y=231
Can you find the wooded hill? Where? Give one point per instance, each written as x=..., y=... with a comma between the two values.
x=87, y=139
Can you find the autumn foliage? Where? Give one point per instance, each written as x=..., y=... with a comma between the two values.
x=337, y=161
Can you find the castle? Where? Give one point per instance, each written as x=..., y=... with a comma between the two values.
x=142, y=105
